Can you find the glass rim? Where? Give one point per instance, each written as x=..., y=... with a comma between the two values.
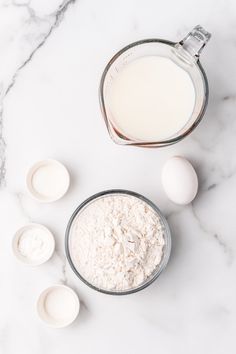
x=161, y=143
x=166, y=253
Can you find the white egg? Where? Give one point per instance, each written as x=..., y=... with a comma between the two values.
x=179, y=180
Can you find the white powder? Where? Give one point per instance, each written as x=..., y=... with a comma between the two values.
x=34, y=243
x=48, y=180
x=117, y=242
x=60, y=304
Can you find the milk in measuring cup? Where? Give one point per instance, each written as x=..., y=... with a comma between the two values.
x=151, y=99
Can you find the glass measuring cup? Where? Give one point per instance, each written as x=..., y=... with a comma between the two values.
x=185, y=54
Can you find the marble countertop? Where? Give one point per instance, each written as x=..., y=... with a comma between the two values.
x=52, y=56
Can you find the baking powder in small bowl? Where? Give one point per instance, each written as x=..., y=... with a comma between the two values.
x=58, y=306
x=33, y=244
x=48, y=180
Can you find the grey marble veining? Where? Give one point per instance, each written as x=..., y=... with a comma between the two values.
x=40, y=34
x=52, y=54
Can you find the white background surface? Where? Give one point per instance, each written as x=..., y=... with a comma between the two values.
x=51, y=57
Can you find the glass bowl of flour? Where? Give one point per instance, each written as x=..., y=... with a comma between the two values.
x=117, y=242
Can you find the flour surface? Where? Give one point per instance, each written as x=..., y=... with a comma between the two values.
x=117, y=242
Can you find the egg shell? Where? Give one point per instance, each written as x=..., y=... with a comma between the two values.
x=179, y=180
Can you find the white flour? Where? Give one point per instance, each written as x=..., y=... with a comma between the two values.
x=34, y=244
x=117, y=242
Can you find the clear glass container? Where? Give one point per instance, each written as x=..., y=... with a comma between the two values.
x=166, y=234
x=185, y=54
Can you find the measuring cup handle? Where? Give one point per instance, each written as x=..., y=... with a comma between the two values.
x=195, y=41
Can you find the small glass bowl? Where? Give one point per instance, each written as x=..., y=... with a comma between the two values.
x=166, y=249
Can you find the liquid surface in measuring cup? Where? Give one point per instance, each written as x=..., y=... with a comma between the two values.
x=151, y=99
